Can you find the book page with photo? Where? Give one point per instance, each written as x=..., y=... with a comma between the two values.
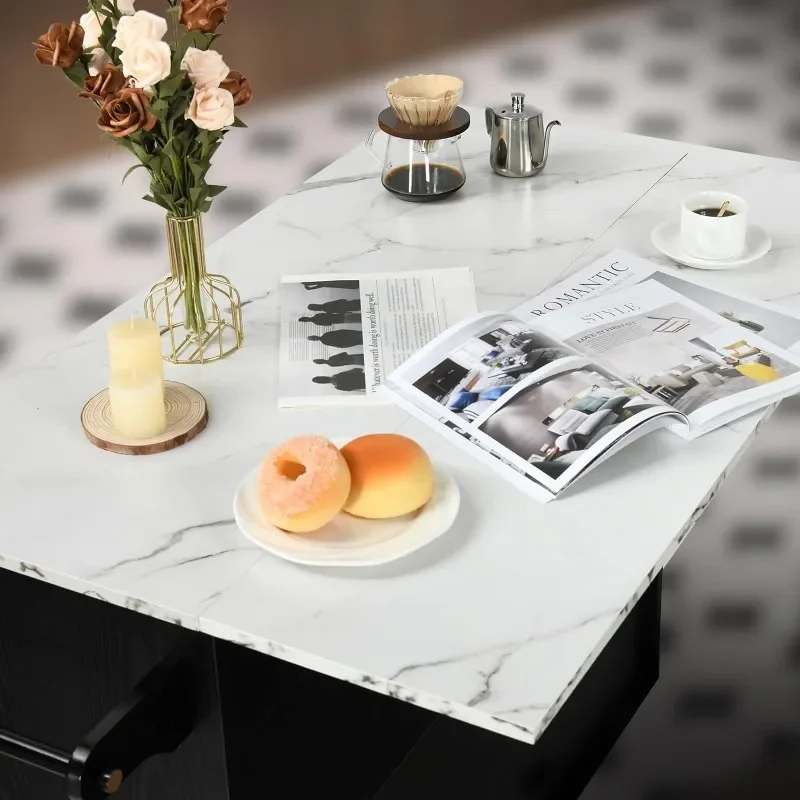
x=536, y=404
x=341, y=334
x=703, y=365
x=619, y=269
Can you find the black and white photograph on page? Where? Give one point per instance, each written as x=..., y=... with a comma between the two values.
x=323, y=339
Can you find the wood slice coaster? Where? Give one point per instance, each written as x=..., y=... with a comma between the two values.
x=187, y=415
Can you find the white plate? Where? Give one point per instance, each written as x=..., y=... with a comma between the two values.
x=349, y=541
x=667, y=238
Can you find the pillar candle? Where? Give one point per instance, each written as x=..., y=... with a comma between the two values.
x=137, y=403
x=135, y=343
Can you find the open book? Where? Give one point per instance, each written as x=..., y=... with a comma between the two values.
x=546, y=397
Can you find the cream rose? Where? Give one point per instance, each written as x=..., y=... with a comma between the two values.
x=148, y=61
x=142, y=25
x=205, y=68
x=99, y=60
x=92, y=25
x=211, y=109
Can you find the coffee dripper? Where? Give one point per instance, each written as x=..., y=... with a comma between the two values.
x=420, y=163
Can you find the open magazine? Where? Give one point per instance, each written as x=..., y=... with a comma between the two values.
x=341, y=334
x=619, y=269
x=545, y=399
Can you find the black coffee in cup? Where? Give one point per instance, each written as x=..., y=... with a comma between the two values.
x=714, y=212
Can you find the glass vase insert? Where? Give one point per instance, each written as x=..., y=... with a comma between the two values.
x=199, y=313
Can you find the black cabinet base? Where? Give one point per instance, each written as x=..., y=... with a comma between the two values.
x=266, y=728
x=304, y=735
x=67, y=660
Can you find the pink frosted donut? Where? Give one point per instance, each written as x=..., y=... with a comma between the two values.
x=303, y=484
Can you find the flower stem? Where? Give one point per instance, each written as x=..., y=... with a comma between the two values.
x=187, y=252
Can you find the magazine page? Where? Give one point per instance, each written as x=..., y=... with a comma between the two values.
x=340, y=335
x=535, y=404
x=708, y=368
x=619, y=269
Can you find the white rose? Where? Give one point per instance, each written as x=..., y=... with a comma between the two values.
x=206, y=68
x=147, y=62
x=99, y=60
x=142, y=25
x=211, y=109
x=92, y=25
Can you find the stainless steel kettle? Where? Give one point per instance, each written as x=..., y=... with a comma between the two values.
x=520, y=141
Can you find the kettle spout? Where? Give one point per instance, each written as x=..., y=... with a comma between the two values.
x=547, y=142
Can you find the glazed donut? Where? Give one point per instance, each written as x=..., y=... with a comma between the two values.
x=390, y=475
x=303, y=484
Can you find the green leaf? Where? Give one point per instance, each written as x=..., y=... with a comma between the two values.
x=77, y=73
x=124, y=142
x=197, y=169
x=141, y=153
x=157, y=201
x=237, y=123
x=160, y=108
x=196, y=39
x=198, y=195
x=205, y=208
x=178, y=107
x=108, y=33
x=170, y=85
x=168, y=150
x=213, y=191
x=132, y=169
x=163, y=199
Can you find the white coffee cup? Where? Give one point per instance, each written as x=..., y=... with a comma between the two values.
x=713, y=238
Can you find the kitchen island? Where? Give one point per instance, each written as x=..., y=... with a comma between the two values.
x=503, y=659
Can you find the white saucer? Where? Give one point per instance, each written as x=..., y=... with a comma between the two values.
x=350, y=541
x=667, y=238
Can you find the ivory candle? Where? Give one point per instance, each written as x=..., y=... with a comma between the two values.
x=137, y=403
x=135, y=343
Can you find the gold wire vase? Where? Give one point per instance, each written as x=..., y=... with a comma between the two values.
x=199, y=313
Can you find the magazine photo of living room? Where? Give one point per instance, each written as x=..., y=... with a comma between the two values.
x=553, y=422
x=691, y=362
x=778, y=326
x=483, y=367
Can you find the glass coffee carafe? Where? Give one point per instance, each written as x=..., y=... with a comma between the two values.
x=420, y=164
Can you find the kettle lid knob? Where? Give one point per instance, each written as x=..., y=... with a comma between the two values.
x=517, y=102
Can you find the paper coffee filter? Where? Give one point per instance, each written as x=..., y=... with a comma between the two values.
x=424, y=100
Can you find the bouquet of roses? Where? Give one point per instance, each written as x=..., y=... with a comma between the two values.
x=169, y=103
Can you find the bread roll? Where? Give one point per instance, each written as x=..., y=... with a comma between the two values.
x=390, y=475
x=303, y=484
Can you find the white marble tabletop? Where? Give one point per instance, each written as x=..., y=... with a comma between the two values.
x=497, y=621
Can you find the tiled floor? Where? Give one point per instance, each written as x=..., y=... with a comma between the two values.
x=724, y=717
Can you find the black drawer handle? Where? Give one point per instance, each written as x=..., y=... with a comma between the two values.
x=156, y=718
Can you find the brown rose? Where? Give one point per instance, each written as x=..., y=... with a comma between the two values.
x=61, y=46
x=105, y=84
x=203, y=15
x=126, y=112
x=239, y=87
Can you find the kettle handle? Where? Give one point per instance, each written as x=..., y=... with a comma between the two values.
x=369, y=143
x=489, y=120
